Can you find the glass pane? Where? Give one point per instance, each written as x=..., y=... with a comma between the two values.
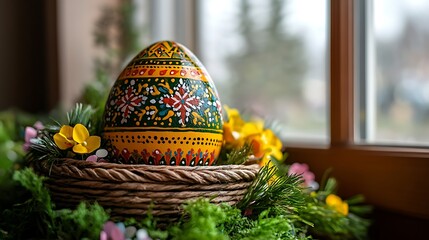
x=269, y=59
x=397, y=86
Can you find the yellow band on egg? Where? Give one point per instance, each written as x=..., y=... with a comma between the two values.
x=140, y=129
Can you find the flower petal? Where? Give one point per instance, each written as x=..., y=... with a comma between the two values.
x=227, y=133
x=271, y=138
x=62, y=142
x=251, y=128
x=67, y=131
x=93, y=143
x=101, y=153
x=30, y=133
x=92, y=158
x=80, y=133
x=103, y=235
x=257, y=147
x=38, y=125
x=275, y=153
x=343, y=208
x=79, y=148
x=234, y=118
x=337, y=203
x=333, y=200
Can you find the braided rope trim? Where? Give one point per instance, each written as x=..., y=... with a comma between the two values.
x=155, y=187
x=132, y=202
x=99, y=193
x=111, y=172
x=134, y=190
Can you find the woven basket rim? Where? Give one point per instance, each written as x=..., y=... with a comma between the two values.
x=131, y=190
x=114, y=172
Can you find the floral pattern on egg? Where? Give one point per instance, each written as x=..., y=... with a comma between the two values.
x=164, y=109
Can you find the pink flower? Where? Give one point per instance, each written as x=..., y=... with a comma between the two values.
x=103, y=236
x=303, y=170
x=111, y=232
x=92, y=158
x=38, y=125
x=31, y=133
x=98, y=156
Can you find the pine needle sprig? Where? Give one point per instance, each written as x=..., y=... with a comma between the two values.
x=44, y=148
x=236, y=156
x=81, y=114
x=269, y=191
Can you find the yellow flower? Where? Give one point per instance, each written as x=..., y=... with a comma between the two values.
x=250, y=129
x=228, y=134
x=85, y=143
x=337, y=204
x=251, y=133
x=234, y=118
x=237, y=132
x=272, y=147
x=257, y=147
x=271, y=139
x=64, y=139
x=232, y=128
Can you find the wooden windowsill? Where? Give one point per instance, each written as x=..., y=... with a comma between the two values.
x=390, y=178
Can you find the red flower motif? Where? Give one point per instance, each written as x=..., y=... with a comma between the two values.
x=212, y=157
x=127, y=103
x=184, y=103
x=189, y=157
x=157, y=155
x=178, y=155
x=205, y=156
x=145, y=156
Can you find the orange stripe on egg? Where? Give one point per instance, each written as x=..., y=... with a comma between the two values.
x=158, y=72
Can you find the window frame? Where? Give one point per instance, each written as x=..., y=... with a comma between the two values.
x=391, y=178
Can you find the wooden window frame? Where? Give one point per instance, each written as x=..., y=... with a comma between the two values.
x=391, y=178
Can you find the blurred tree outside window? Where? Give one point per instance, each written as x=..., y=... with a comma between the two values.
x=269, y=59
x=395, y=90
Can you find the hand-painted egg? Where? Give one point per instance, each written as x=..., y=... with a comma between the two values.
x=164, y=110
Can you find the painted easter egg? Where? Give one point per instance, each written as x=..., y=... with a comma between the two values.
x=164, y=110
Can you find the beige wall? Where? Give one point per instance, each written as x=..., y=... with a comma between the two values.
x=76, y=22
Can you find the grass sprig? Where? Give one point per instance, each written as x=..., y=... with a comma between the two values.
x=236, y=156
x=81, y=114
x=44, y=148
x=269, y=190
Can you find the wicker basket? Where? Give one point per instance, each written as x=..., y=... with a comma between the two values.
x=131, y=190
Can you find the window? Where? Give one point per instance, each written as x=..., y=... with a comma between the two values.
x=269, y=58
x=394, y=84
